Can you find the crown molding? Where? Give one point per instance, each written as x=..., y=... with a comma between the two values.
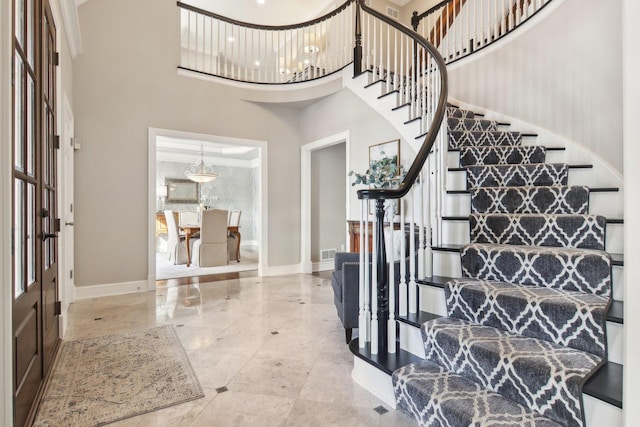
x=71, y=22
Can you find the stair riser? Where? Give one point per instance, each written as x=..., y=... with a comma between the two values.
x=411, y=339
x=432, y=300
x=553, y=156
x=448, y=264
x=607, y=204
x=457, y=233
x=572, y=270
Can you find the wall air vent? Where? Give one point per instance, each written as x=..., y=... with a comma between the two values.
x=394, y=13
x=327, y=254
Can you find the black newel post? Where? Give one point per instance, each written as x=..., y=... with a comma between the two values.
x=415, y=21
x=383, y=286
x=357, y=50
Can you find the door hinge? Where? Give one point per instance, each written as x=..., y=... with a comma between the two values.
x=71, y=274
x=56, y=142
x=56, y=58
x=56, y=225
x=57, y=308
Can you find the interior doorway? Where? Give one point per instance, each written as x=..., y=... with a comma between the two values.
x=239, y=187
x=317, y=172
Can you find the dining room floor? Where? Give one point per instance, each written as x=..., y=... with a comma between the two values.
x=165, y=269
x=268, y=351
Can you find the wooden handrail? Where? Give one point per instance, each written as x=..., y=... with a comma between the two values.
x=266, y=27
x=434, y=128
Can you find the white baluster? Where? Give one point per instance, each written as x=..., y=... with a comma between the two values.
x=362, y=284
x=412, y=251
x=366, y=334
x=374, y=289
x=391, y=323
x=402, y=288
x=420, y=206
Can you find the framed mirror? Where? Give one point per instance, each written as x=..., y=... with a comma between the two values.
x=181, y=191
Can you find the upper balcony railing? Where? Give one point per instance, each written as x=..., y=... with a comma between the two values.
x=460, y=27
x=241, y=51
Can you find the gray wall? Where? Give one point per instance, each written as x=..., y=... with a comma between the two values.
x=565, y=75
x=328, y=199
x=234, y=189
x=124, y=83
x=366, y=128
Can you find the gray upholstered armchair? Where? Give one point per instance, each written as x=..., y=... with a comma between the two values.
x=345, y=283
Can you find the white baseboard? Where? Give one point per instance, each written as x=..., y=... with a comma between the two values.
x=282, y=270
x=95, y=291
x=322, y=265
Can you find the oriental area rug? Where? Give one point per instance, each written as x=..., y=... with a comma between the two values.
x=97, y=381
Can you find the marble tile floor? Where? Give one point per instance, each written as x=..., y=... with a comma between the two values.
x=268, y=351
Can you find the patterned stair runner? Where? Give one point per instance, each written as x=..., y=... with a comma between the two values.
x=526, y=322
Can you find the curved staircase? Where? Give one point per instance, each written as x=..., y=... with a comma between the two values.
x=526, y=323
x=525, y=326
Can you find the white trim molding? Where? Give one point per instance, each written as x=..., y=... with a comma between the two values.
x=71, y=22
x=305, y=195
x=263, y=203
x=281, y=270
x=110, y=289
x=6, y=264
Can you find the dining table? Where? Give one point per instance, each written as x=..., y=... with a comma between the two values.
x=191, y=229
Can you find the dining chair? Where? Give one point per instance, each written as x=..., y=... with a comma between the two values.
x=187, y=217
x=210, y=249
x=176, y=245
x=234, y=218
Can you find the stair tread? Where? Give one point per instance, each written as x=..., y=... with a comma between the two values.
x=386, y=362
x=466, y=218
x=456, y=400
x=417, y=319
x=605, y=384
x=455, y=150
x=373, y=83
x=388, y=93
x=617, y=259
x=437, y=281
x=539, y=374
x=591, y=190
x=464, y=169
x=406, y=104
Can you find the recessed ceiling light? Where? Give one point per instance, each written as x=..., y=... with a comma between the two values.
x=231, y=39
x=260, y=1
x=257, y=63
x=306, y=62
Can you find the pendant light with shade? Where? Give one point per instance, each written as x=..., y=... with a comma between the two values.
x=200, y=172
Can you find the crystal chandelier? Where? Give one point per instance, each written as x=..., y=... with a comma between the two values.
x=199, y=171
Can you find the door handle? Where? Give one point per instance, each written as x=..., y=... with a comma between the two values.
x=68, y=223
x=46, y=236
